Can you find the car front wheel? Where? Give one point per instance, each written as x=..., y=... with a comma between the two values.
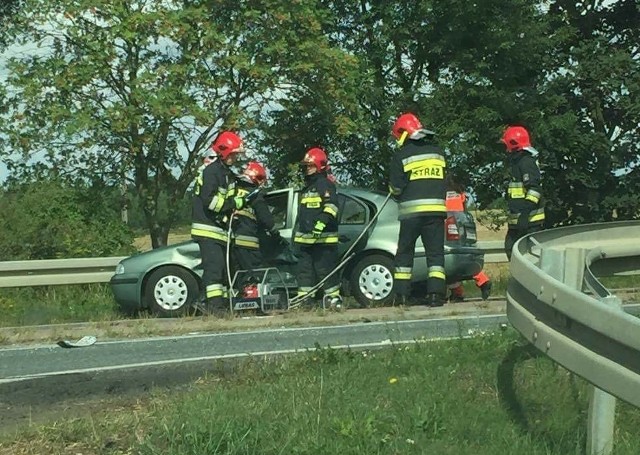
x=372, y=280
x=170, y=290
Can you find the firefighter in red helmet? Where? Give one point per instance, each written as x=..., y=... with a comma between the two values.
x=524, y=195
x=417, y=181
x=252, y=218
x=214, y=199
x=316, y=228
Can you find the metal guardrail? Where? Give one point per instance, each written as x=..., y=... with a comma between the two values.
x=554, y=299
x=57, y=271
x=100, y=270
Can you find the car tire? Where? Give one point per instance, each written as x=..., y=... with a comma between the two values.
x=170, y=291
x=371, y=282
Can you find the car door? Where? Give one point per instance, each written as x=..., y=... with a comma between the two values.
x=353, y=215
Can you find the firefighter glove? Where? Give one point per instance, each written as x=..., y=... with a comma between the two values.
x=318, y=228
x=238, y=202
x=523, y=221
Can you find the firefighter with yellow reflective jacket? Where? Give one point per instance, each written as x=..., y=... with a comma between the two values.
x=213, y=201
x=417, y=181
x=524, y=195
x=316, y=228
x=253, y=218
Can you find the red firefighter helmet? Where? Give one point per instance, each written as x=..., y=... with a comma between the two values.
x=227, y=143
x=315, y=157
x=516, y=138
x=408, y=123
x=255, y=173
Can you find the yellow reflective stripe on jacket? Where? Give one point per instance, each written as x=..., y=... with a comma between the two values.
x=424, y=166
x=331, y=209
x=222, y=195
x=249, y=213
x=402, y=273
x=533, y=196
x=415, y=161
x=535, y=216
x=309, y=239
x=207, y=231
x=436, y=272
x=312, y=199
x=246, y=241
x=422, y=205
x=516, y=190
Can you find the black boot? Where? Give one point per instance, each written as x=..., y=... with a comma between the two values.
x=217, y=307
x=435, y=300
x=485, y=289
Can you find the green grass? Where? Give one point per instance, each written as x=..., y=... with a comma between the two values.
x=487, y=395
x=57, y=304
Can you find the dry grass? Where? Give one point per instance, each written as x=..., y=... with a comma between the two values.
x=144, y=243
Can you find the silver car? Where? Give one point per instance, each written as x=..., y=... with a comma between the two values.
x=167, y=280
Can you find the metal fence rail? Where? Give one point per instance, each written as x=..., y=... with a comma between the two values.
x=589, y=334
x=100, y=270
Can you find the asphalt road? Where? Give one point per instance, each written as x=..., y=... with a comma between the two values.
x=41, y=361
x=45, y=382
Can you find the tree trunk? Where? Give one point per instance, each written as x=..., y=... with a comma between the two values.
x=159, y=235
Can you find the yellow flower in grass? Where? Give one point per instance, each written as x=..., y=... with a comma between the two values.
x=393, y=380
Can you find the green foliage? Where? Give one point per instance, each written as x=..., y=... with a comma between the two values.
x=128, y=91
x=136, y=91
x=49, y=219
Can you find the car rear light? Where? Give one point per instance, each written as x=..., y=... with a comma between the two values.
x=451, y=228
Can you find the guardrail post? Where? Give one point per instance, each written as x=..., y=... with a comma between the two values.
x=602, y=411
x=567, y=265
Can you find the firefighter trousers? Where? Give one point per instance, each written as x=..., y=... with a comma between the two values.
x=315, y=262
x=431, y=230
x=247, y=258
x=214, y=267
x=514, y=234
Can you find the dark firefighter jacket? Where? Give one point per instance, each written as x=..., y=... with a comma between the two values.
x=524, y=193
x=318, y=201
x=212, y=201
x=417, y=179
x=255, y=216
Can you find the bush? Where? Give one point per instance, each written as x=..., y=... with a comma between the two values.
x=48, y=220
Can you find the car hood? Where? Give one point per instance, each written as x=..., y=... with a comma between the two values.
x=185, y=253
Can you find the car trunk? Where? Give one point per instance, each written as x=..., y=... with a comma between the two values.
x=460, y=229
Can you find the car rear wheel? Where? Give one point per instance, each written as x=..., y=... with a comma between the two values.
x=170, y=290
x=372, y=280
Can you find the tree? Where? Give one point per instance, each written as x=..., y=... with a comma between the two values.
x=567, y=71
x=135, y=90
x=592, y=129
x=453, y=63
